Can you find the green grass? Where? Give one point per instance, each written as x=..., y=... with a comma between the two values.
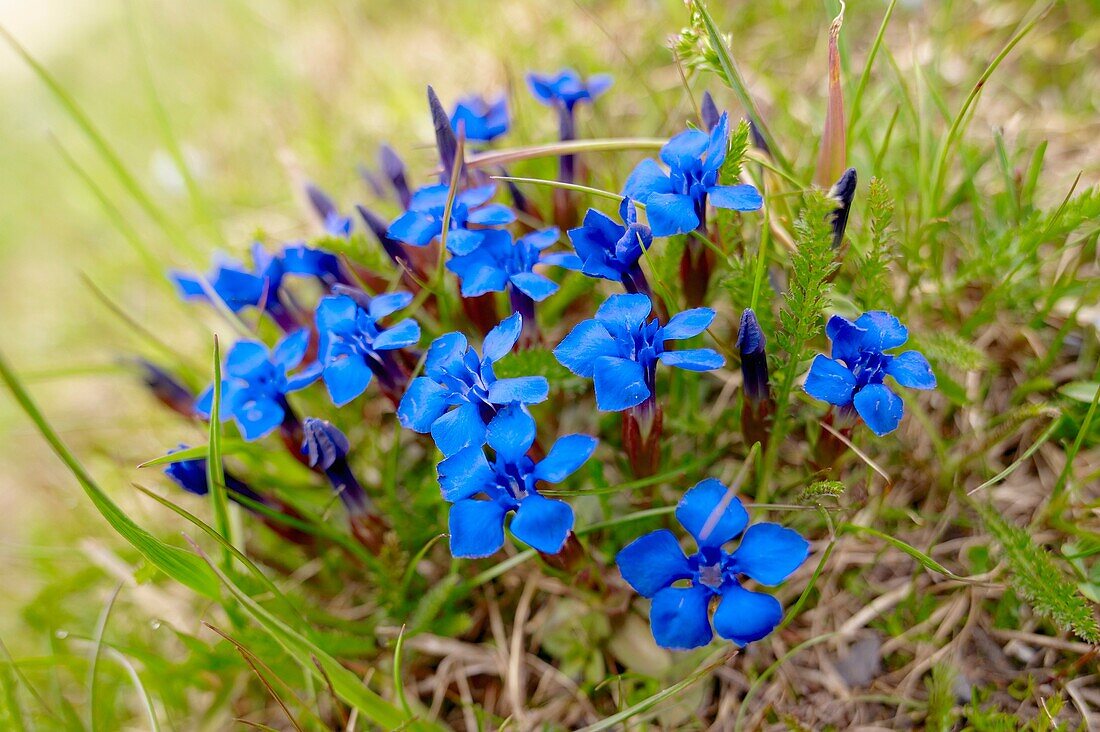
x=143, y=136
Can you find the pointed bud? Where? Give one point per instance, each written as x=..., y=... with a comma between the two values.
x=642, y=427
x=708, y=112
x=190, y=475
x=757, y=405
x=167, y=389
x=394, y=249
x=758, y=140
x=445, y=139
x=394, y=169
x=834, y=141
x=843, y=191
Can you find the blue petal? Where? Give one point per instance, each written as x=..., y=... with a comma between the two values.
x=696, y=513
x=337, y=313
x=476, y=528
x=684, y=148
x=473, y=197
x=291, y=350
x=624, y=312
x=541, y=239
x=500, y=340
x=680, y=619
x=884, y=331
x=479, y=273
x=534, y=285
x=653, y=562
x=542, y=88
x=830, y=381
x=346, y=378
x=246, y=358
x=303, y=378
x=880, y=408
x=387, y=304
x=445, y=355
x=598, y=83
x=188, y=285
x=687, y=324
x=588, y=341
x=495, y=214
x=258, y=418
x=736, y=198
x=645, y=180
x=430, y=197
x=743, y=616
x=522, y=389
x=912, y=369
x=847, y=338
x=464, y=241
x=459, y=428
x=464, y=474
x=511, y=433
x=718, y=143
x=620, y=383
x=542, y=523
x=423, y=403
x=671, y=213
x=401, y=335
x=565, y=260
x=567, y=454
x=694, y=359
x=769, y=553
x=414, y=228
x=205, y=402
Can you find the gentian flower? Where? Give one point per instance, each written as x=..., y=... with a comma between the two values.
x=423, y=222
x=253, y=392
x=326, y=449
x=240, y=287
x=563, y=91
x=853, y=378
x=353, y=345
x=481, y=121
x=676, y=201
x=335, y=224
x=680, y=615
x=620, y=347
x=500, y=262
x=455, y=376
x=611, y=251
x=509, y=483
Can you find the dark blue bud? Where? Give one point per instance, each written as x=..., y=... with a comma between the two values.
x=758, y=140
x=445, y=139
x=167, y=389
x=708, y=112
x=380, y=228
x=843, y=191
x=326, y=449
x=754, y=361
x=190, y=475
x=394, y=169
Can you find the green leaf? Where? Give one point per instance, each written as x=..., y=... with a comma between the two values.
x=925, y=561
x=177, y=563
x=1080, y=391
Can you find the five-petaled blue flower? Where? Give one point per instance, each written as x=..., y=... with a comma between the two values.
x=500, y=261
x=455, y=376
x=253, y=392
x=612, y=251
x=676, y=201
x=566, y=87
x=423, y=222
x=353, y=345
x=481, y=121
x=852, y=378
x=509, y=483
x=620, y=347
x=679, y=615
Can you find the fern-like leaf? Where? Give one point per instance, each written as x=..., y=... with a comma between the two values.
x=873, y=283
x=812, y=264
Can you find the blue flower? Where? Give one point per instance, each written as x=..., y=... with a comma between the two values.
x=334, y=222
x=481, y=121
x=423, y=222
x=612, y=251
x=455, y=376
x=240, y=287
x=509, y=483
x=679, y=614
x=566, y=87
x=499, y=262
x=353, y=345
x=620, y=347
x=853, y=377
x=257, y=381
x=676, y=201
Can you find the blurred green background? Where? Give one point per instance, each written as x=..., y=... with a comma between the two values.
x=258, y=96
